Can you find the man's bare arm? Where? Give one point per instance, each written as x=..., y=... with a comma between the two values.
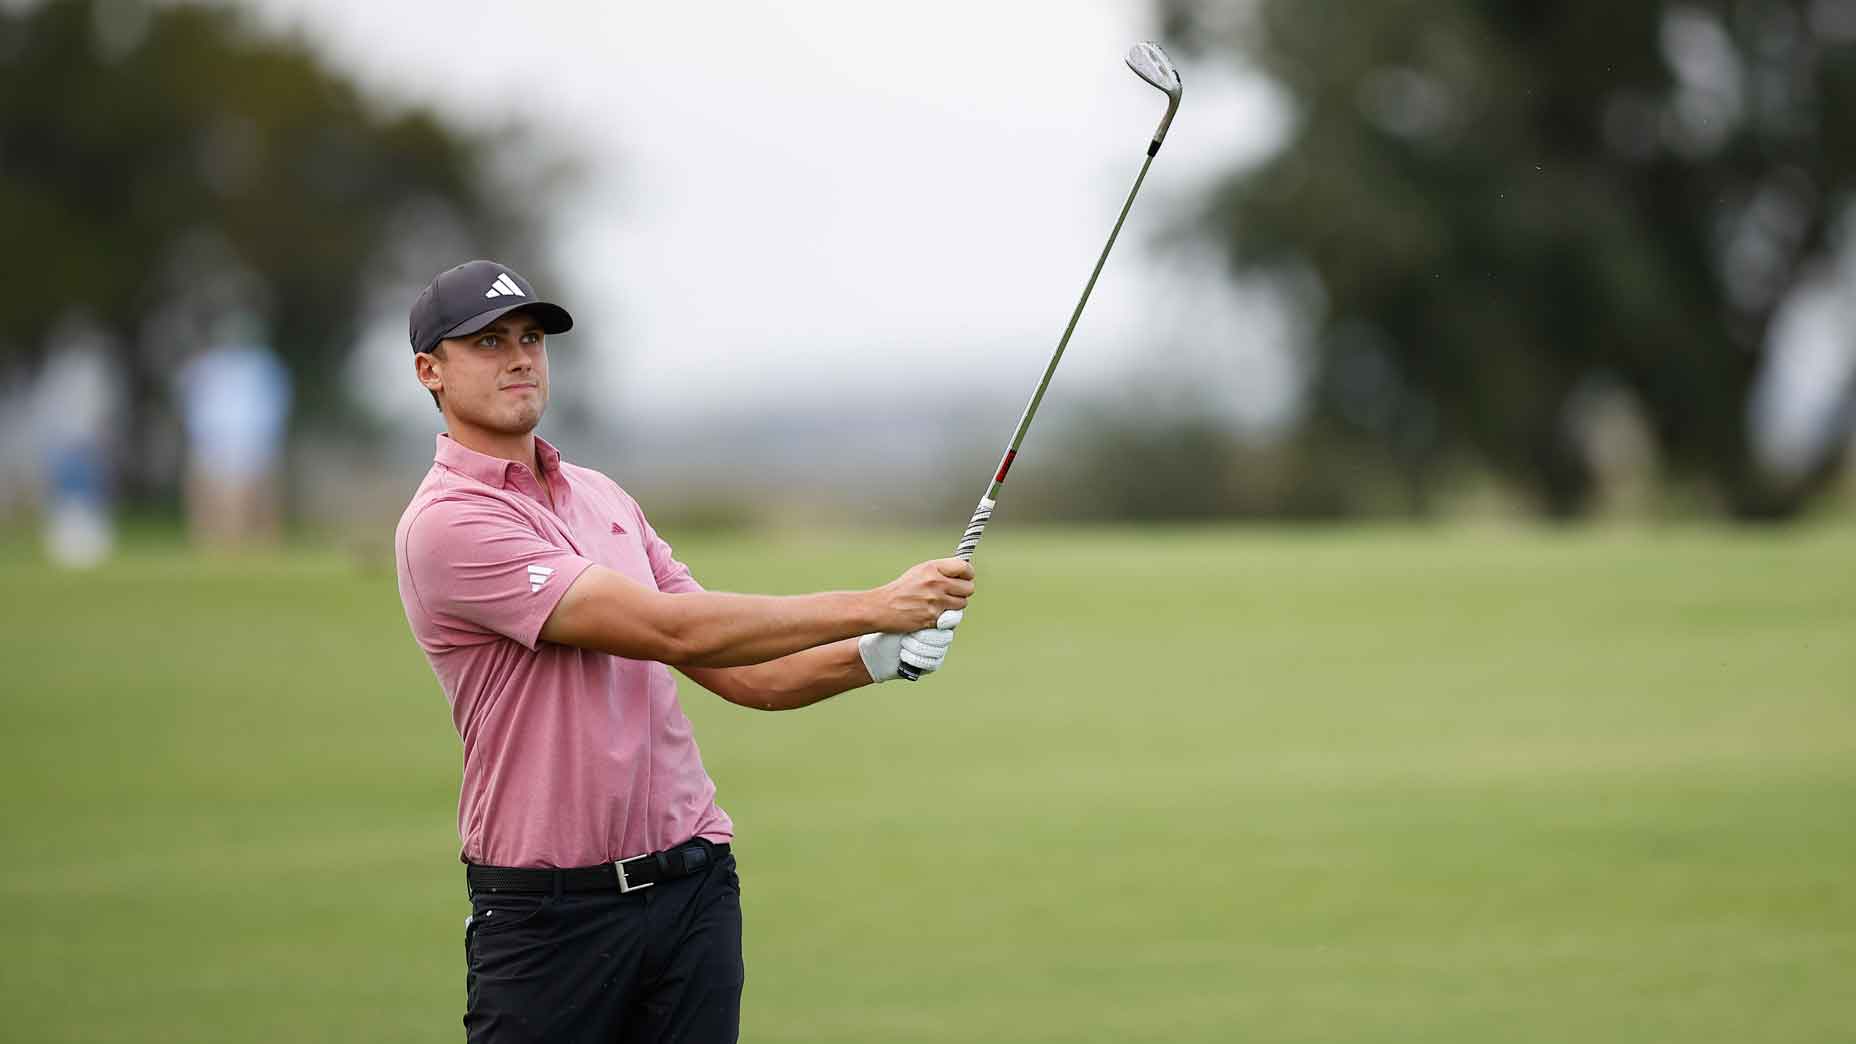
x=790, y=682
x=607, y=612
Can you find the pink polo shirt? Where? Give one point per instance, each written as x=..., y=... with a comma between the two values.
x=571, y=757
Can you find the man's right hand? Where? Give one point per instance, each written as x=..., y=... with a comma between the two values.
x=917, y=598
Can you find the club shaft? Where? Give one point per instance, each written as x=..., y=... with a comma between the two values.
x=1037, y=396
x=976, y=526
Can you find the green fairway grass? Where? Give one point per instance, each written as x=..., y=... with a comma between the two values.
x=1174, y=785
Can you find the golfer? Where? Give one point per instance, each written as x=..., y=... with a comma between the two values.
x=604, y=901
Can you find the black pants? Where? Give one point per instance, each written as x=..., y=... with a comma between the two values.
x=659, y=964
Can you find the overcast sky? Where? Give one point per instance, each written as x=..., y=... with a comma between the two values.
x=834, y=198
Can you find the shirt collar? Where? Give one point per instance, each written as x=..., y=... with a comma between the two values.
x=547, y=456
x=491, y=471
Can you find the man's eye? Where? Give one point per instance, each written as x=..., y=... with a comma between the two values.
x=486, y=342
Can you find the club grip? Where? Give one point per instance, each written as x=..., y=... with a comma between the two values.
x=969, y=541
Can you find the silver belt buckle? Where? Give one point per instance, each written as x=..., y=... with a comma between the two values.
x=626, y=886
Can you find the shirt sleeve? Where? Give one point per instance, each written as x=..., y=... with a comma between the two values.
x=673, y=577
x=478, y=568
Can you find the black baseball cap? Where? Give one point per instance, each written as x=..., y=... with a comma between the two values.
x=473, y=295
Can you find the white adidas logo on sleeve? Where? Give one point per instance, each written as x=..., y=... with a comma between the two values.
x=538, y=575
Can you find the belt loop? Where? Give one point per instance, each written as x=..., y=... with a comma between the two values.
x=559, y=878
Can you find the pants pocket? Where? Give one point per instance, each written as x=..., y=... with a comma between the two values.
x=495, y=914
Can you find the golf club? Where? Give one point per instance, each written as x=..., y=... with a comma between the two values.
x=1150, y=63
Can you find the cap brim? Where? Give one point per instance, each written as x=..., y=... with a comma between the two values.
x=553, y=318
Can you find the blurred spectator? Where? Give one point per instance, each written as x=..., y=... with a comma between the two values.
x=76, y=404
x=235, y=404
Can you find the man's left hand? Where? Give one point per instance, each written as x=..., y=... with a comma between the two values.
x=927, y=648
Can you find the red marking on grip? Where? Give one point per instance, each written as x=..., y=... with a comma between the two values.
x=1005, y=465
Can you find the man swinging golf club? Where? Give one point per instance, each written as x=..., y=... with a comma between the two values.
x=604, y=900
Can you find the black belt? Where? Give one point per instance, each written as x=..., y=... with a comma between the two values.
x=626, y=875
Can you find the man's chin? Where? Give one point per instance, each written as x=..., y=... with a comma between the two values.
x=520, y=421
x=523, y=423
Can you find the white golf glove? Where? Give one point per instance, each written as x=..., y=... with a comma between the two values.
x=927, y=648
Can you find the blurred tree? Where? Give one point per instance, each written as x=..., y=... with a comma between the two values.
x=164, y=165
x=1503, y=202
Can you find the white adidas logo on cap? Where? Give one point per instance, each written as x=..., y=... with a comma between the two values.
x=504, y=287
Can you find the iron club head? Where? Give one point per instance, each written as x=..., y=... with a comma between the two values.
x=1150, y=63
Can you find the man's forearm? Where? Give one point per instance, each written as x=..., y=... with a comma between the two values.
x=790, y=682
x=729, y=630
x=611, y=613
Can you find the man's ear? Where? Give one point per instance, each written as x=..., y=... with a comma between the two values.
x=424, y=366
